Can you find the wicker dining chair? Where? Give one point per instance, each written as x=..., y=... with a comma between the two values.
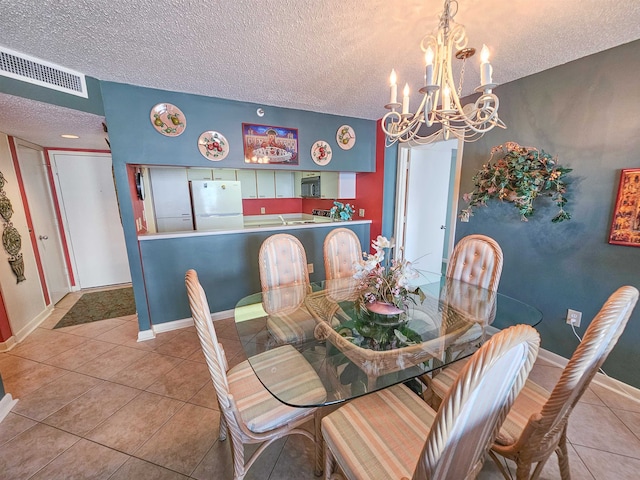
x=282, y=262
x=342, y=250
x=249, y=413
x=394, y=434
x=537, y=424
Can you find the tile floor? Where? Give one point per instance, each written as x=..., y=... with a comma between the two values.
x=96, y=404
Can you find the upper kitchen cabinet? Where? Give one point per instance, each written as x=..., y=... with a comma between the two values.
x=228, y=174
x=284, y=184
x=199, y=174
x=247, y=179
x=265, y=184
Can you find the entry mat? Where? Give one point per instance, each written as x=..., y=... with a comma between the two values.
x=96, y=306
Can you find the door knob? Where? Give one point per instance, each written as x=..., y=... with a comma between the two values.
x=43, y=237
x=443, y=227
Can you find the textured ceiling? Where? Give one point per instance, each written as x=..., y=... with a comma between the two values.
x=331, y=56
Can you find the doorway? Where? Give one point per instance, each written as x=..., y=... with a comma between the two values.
x=87, y=197
x=428, y=182
x=46, y=228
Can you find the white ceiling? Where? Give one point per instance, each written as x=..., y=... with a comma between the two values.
x=330, y=56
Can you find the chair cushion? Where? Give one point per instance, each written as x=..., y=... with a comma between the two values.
x=381, y=435
x=529, y=401
x=292, y=327
x=298, y=382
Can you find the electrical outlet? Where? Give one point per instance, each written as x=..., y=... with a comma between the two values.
x=574, y=317
x=361, y=212
x=263, y=210
x=310, y=267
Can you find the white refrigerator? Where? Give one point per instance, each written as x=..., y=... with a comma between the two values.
x=217, y=204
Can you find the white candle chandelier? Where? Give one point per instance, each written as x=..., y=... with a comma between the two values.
x=440, y=106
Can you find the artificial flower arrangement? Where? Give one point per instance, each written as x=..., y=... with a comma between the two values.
x=519, y=175
x=341, y=211
x=382, y=280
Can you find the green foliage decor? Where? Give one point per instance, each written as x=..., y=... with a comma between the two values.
x=519, y=175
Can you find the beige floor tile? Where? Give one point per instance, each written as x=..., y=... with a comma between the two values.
x=138, y=469
x=41, y=350
x=92, y=408
x=12, y=365
x=184, y=440
x=27, y=453
x=297, y=459
x=111, y=362
x=79, y=355
x=609, y=466
x=614, y=399
x=84, y=459
x=46, y=400
x=182, y=345
x=632, y=421
x=197, y=356
x=94, y=329
x=182, y=382
x=597, y=427
x=13, y=425
x=34, y=377
x=132, y=425
x=206, y=397
x=145, y=371
x=125, y=333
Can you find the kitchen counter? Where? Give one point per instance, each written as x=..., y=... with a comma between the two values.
x=262, y=223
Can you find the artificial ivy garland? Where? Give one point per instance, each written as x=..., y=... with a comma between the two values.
x=10, y=236
x=519, y=175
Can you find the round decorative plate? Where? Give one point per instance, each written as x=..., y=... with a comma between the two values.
x=168, y=119
x=346, y=137
x=321, y=152
x=213, y=145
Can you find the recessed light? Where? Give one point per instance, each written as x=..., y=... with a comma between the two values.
x=68, y=135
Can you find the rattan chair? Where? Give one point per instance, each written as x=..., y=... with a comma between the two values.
x=394, y=434
x=282, y=263
x=249, y=413
x=537, y=423
x=342, y=250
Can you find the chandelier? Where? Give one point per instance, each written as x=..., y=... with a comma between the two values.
x=440, y=112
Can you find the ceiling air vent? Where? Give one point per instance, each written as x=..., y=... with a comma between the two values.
x=33, y=70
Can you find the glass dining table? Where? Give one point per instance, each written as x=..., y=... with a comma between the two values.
x=353, y=349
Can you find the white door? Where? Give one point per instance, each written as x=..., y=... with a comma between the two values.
x=45, y=222
x=92, y=220
x=427, y=186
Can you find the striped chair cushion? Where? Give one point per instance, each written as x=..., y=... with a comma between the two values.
x=259, y=409
x=381, y=435
x=292, y=327
x=529, y=401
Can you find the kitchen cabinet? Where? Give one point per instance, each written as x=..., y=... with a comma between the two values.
x=265, y=184
x=171, y=199
x=284, y=184
x=247, y=179
x=199, y=174
x=228, y=174
x=333, y=185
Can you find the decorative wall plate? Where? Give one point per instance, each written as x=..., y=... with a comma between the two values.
x=213, y=145
x=321, y=152
x=168, y=119
x=346, y=137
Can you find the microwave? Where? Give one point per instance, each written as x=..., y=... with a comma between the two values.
x=310, y=187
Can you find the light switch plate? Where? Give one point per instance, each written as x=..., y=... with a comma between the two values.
x=310, y=267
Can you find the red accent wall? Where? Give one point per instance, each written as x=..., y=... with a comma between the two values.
x=137, y=204
x=272, y=206
x=5, y=327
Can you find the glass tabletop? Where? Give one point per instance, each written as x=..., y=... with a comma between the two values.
x=357, y=348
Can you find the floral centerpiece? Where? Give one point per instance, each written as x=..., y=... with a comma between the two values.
x=341, y=211
x=384, y=295
x=519, y=175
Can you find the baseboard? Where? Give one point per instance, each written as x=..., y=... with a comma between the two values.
x=178, y=324
x=600, y=379
x=33, y=324
x=6, y=404
x=8, y=344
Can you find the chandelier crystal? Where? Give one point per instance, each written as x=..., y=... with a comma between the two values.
x=440, y=112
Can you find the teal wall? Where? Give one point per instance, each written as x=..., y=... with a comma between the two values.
x=92, y=104
x=227, y=267
x=585, y=112
x=157, y=270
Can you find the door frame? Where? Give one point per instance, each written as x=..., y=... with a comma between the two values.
x=400, y=220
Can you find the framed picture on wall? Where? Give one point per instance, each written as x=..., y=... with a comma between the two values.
x=625, y=226
x=265, y=144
